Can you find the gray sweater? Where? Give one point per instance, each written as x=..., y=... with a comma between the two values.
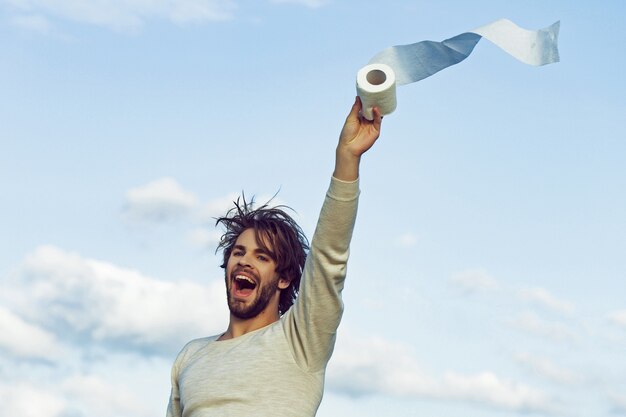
x=277, y=370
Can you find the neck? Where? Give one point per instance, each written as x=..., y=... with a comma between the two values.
x=238, y=327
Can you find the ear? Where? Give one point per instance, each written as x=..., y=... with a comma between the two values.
x=283, y=283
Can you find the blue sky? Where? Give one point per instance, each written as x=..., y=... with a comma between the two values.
x=487, y=270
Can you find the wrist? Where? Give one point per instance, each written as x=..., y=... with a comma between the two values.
x=346, y=166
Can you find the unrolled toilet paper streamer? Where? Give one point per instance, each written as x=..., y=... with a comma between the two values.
x=404, y=64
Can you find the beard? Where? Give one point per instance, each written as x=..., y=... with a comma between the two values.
x=264, y=294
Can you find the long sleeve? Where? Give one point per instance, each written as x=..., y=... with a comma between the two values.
x=312, y=321
x=173, y=407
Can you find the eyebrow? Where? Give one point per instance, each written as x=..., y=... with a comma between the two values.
x=257, y=250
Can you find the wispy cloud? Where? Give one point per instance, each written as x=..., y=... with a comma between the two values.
x=216, y=207
x=371, y=365
x=488, y=389
x=313, y=4
x=473, y=280
x=407, y=240
x=618, y=403
x=98, y=302
x=543, y=297
x=33, y=22
x=125, y=15
x=546, y=368
x=203, y=238
x=552, y=330
x=618, y=318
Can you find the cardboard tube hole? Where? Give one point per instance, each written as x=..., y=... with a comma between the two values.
x=376, y=77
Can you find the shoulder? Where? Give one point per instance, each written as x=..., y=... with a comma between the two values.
x=193, y=347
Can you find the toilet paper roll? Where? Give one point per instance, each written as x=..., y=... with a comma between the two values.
x=376, y=86
x=410, y=63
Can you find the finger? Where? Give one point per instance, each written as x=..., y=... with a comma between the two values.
x=356, y=108
x=378, y=118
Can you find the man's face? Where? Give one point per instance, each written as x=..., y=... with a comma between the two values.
x=252, y=285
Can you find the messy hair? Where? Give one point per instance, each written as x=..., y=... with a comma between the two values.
x=276, y=233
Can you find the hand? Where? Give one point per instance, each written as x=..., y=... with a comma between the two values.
x=357, y=137
x=358, y=133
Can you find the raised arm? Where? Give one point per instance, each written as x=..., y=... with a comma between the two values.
x=311, y=323
x=357, y=136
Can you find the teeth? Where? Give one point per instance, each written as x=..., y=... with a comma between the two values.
x=244, y=278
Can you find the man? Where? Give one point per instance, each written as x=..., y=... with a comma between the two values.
x=265, y=363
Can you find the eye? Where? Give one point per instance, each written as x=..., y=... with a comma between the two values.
x=263, y=258
x=237, y=252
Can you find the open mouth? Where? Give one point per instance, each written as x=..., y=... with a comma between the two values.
x=243, y=285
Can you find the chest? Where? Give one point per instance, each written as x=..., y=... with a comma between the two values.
x=249, y=374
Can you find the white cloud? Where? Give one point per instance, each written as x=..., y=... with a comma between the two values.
x=26, y=400
x=127, y=15
x=553, y=330
x=544, y=367
x=407, y=240
x=202, y=237
x=165, y=199
x=618, y=317
x=25, y=340
x=362, y=366
x=80, y=394
x=103, y=303
x=313, y=4
x=216, y=208
x=159, y=200
x=618, y=403
x=99, y=398
x=542, y=297
x=488, y=389
x=473, y=280
x=33, y=22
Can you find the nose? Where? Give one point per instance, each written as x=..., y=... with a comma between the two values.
x=244, y=260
